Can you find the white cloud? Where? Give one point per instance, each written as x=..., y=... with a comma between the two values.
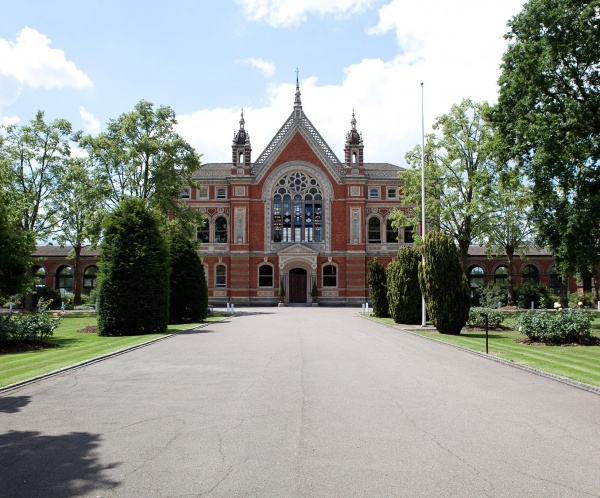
x=32, y=62
x=285, y=13
x=455, y=51
x=92, y=125
x=9, y=120
x=265, y=67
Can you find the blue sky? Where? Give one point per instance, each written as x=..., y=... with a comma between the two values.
x=91, y=61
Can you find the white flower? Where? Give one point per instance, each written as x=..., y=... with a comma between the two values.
x=520, y=329
x=557, y=304
x=580, y=304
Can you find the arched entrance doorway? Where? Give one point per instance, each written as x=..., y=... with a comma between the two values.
x=298, y=285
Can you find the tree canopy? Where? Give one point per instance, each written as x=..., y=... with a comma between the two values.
x=548, y=115
x=141, y=155
x=459, y=174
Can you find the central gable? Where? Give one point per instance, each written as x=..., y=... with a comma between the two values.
x=298, y=136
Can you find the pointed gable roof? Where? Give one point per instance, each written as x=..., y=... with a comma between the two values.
x=298, y=123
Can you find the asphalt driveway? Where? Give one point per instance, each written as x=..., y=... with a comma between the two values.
x=300, y=402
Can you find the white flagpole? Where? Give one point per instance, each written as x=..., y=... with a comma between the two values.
x=424, y=311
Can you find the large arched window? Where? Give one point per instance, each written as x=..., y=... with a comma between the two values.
x=374, y=232
x=265, y=276
x=220, y=276
x=40, y=277
x=64, y=280
x=391, y=232
x=476, y=276
x=298, y=209
x=202, y=232
x=501, y=274
x=89, y=279
x=330, y=276
x=530, y=273
x=221, y=230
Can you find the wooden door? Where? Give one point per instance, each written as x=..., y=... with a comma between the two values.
x=298, y=279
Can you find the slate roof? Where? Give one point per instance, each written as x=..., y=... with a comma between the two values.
x=62, y=252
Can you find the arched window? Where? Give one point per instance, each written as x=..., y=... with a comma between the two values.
x=529, y=273
x=89, y=279
x=374, y=230
x=220, y=276
x=555, y=281
x=476, y=276
x=64, y=280
x=40, y=277
x=220, y=230
x=391, y=232
x=501, y=274
x=202, y=232
x=265, y=276
x=330, y=276
x=298, y=209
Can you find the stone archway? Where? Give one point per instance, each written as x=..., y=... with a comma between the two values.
x=298, y=286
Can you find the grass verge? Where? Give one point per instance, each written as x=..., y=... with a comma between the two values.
x=580, y=363
x=72, y=347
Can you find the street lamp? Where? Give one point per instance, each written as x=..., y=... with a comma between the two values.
x=423, y=309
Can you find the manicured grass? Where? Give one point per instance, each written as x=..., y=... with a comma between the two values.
x=73, y=347
x=581, y=363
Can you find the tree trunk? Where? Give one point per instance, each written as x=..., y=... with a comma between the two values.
x=510, y=279
x=463, y=247
x=77, y=276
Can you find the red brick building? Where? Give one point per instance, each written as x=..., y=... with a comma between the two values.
x=299, y=216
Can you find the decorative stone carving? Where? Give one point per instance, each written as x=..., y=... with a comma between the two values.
x=355, y=191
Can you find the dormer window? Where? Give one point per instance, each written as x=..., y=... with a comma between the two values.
x=221, y=193
x=185, y=193
x=392, y=193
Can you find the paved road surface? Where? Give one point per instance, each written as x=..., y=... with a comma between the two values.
x=300, y=402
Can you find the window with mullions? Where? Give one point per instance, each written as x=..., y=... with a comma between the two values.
x=476, y=276
x=265, y=276
x=202, y=232
x=529, y=273
x=64, y=280
x=330, y=276
x=40, y=277
x=89, y=279
x=220, y=230
x=220, y=276
x=501, y=274
x=374, y=230
x=297, y=209
x=392, y=233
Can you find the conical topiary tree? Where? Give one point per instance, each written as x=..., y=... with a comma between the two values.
x=403, y=290
x=133, y=295
x=444, y=284
x=188, y=300
x=377, y=288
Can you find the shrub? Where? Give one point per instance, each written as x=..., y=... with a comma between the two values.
x=8, y=328
x=36, y=326
x=477, y=317
x=560, y=327
x=586, y=299
x=189, y=293
x=530, y=292
x=444, y=284
x=493, y=293
x=377, y=288
x=403, y=291
x=134, y=261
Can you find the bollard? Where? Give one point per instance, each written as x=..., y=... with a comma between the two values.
x=232, y=309
x=10, y=308
x=532, y=305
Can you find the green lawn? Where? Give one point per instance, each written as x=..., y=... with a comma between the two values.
x=73, y=347
x=581, y=363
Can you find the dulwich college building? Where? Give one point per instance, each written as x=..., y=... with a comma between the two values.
x=297, y=215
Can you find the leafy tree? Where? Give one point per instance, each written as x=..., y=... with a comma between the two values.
x=548, y=114
x=458, y=171
x=133, y=295
x=510, y=229
x=444, y=284
x=141, y=155
x=15, y=256
x=376, y=279
x=80, y=197
x=403, y=291
x=189, y=291
x=32, y=158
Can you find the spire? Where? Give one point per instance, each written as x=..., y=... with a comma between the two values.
x=353, y=121
x=242, y=120
x=297, y=101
